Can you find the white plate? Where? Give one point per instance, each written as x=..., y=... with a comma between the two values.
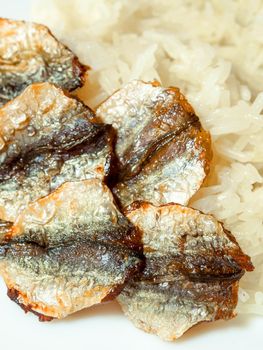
x=104, y=326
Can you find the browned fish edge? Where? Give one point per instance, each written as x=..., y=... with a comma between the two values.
x=13, y=294
x=78, y=68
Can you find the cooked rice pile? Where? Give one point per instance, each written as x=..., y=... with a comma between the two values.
x=213, y=51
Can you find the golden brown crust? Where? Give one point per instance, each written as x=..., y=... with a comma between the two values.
x=15, y=296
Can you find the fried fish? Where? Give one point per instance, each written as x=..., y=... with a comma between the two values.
x=48, y=138
x=69, y=250
x=193, y=266
x=29, y=53
x=58, y=281
x=64, y=244
x=76, y=211
x=164, y=153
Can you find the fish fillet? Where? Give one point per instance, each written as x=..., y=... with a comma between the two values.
x=163, y=152
x=58, y=281
x=69, y=250
x=48, y=138
x=29, y=53
x=193, y=266
x=64, y=244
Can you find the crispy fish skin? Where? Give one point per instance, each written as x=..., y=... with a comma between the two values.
x=92, y=159
x=194, y=242
x=192, y=270
x=69, y=250
x=29, y=53
x=76, y=211
x=37, y=176
x=47, y=139
x=64, y=245
x=172, y=173
x=160, y=142
x=170, y=309
x=143, y=113
x=43, y=117
x=58, y=281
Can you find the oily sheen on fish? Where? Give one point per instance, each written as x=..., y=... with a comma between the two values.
x=43, y=117
x=29, y=53
x=69, y=250
x=172, y=173
x=76, y=211
x=193, y=266
x=58, y=281
x=64, y=244
x=48, y=138
x=163, y=151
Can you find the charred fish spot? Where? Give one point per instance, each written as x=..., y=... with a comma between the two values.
x=182, y=284
x=29, y=53
x=222, y=277
x=164, y=154
x=5, y=232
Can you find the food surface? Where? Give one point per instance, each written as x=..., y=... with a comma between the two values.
x=68, y=251
x=164, y=153
x=97, y=206
x=48, y=138
x=64, y=244
x=75, y=211
x=29, y=53
x=192, y=270
x=58, y=281
x=212, y=51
